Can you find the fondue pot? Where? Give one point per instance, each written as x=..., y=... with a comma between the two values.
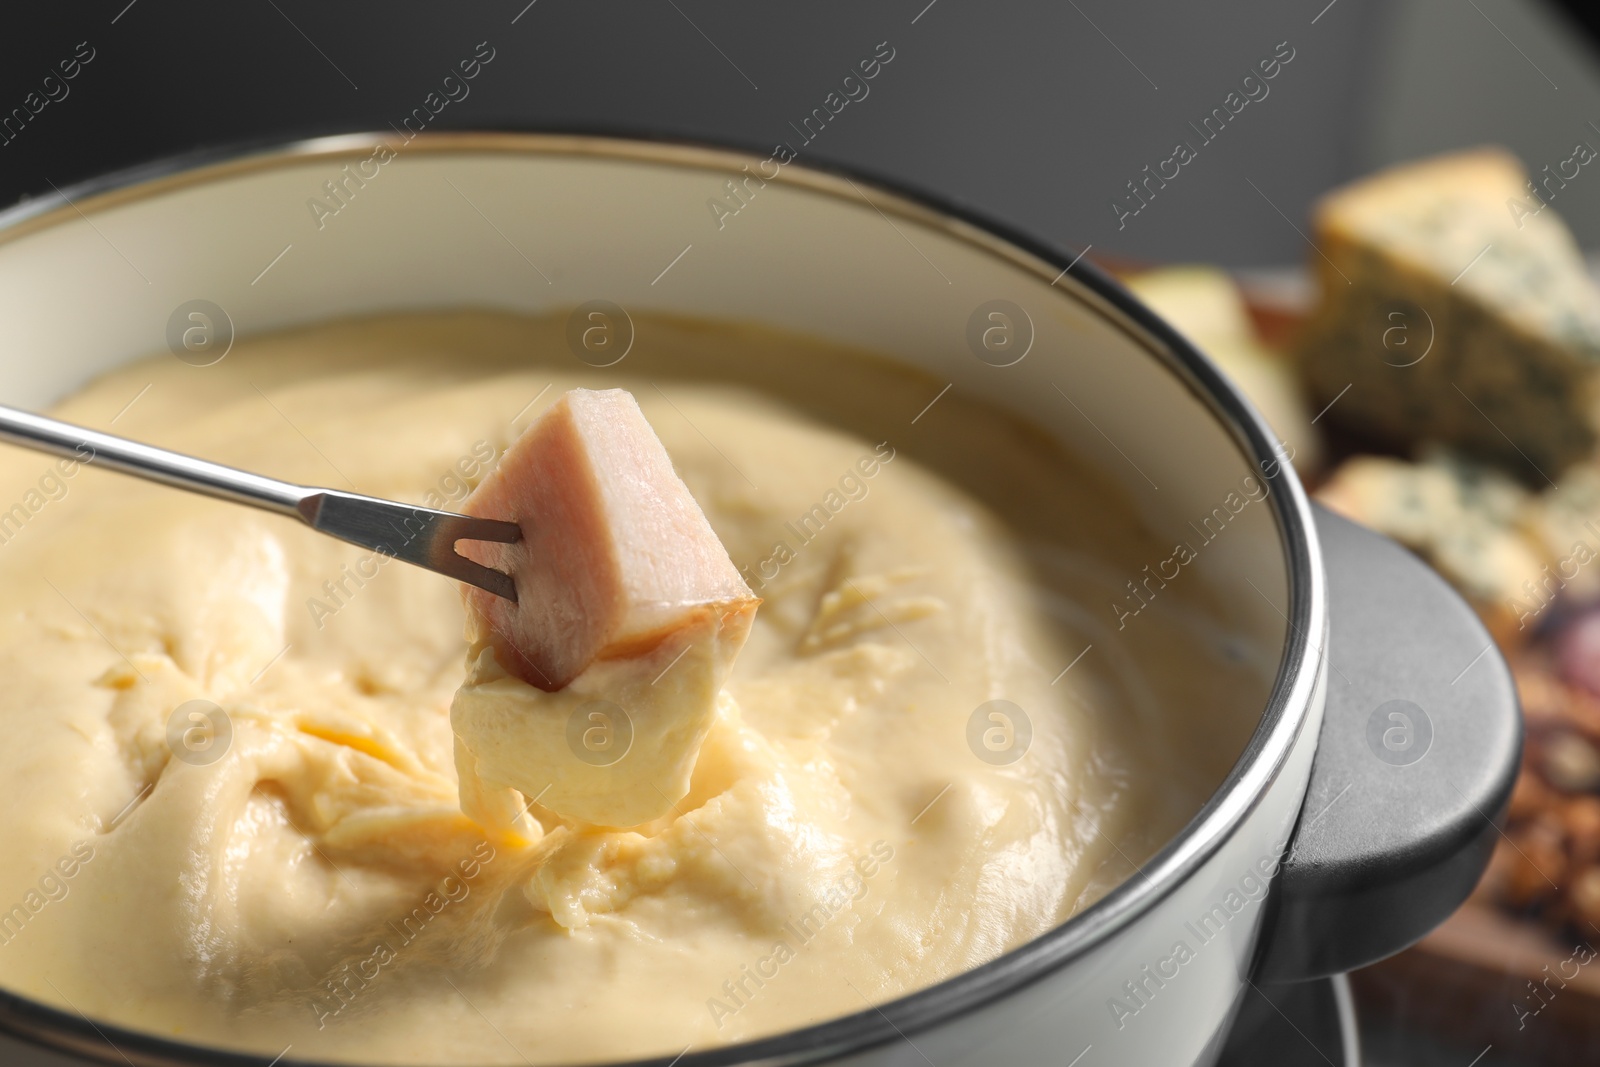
x=1372, y=759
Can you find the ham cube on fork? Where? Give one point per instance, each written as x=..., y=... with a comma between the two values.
x=618, y=577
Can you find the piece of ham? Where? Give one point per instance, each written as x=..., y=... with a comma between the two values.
x=615, y=554
x=593, y=692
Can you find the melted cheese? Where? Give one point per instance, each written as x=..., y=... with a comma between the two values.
x=235, y=733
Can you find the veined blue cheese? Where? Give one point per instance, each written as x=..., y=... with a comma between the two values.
x=1565, y=523
x=1470, y=522
x=1453, y=314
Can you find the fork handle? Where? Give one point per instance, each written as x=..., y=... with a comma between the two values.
x=44, y=434
x=418, y=535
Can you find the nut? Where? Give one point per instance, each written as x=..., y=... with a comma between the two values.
x=1530, y=795
x=1542, y=696
x=1571, y=764
x=1541, y=862
x=1583, y=895
x=1581, y=817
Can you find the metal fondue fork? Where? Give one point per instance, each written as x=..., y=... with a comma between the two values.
x=416, y=535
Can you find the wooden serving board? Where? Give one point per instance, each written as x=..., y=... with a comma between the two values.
x=1485, y=978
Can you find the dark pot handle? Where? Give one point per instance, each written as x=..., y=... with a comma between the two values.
x=1419, y=749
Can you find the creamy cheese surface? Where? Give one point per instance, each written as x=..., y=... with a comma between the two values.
x=230, y=775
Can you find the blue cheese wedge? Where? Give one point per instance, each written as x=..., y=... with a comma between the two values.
x=1471, y=522
x=1566, y=526
x=1455, y=308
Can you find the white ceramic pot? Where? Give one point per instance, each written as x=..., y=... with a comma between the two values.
x=536, y=223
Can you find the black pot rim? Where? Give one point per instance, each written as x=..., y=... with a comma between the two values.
x=1256, y=769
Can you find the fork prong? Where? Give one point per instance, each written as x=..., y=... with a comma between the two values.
x=471, y=528
x=453, y=528
x=462, y=569
x=417, y=535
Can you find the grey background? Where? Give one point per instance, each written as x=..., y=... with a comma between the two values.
x=1037, y=112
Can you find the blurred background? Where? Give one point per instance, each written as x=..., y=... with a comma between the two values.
x=1037, y=113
